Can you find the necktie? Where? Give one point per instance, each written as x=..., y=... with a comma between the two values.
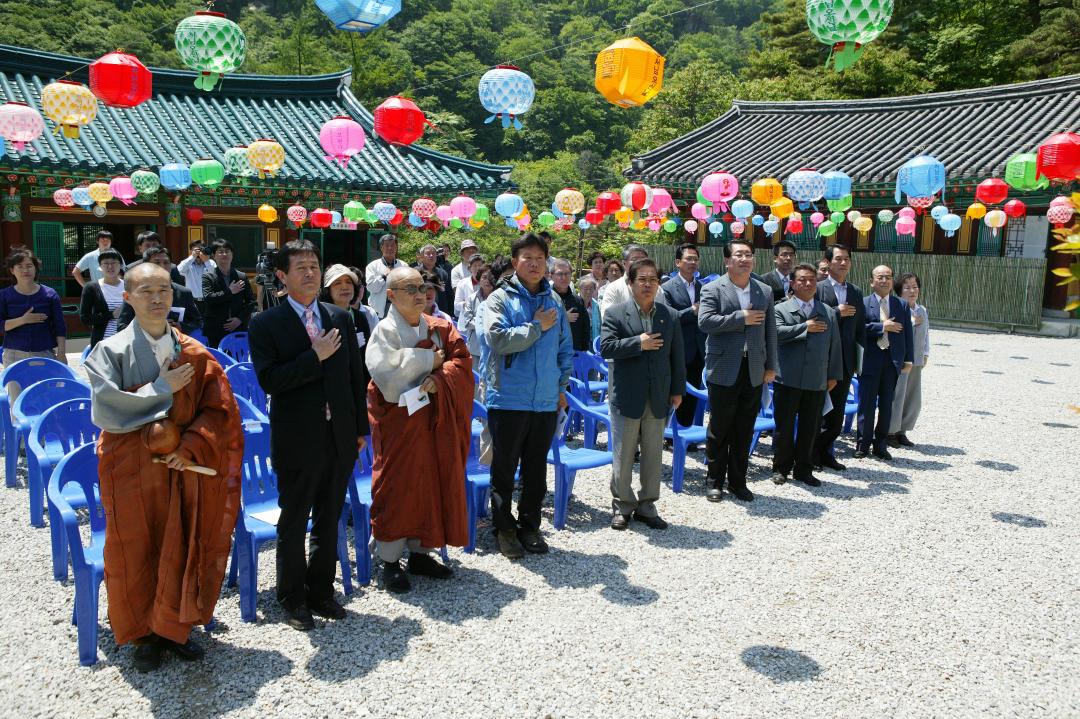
x=313, y=332
x=883, y=340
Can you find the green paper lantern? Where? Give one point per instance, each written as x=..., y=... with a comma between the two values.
x=482, y=213
x=826, y=229
x=841, y=205
x=354, y=211
x=847, y=25
x=701, y=198
x=546, y=219
x=837, y=218
x=669, y=226
x=145, y=182
x=236, y=163
x=207, y=172
x=211, y=44
x=456, y=223
x=370, y=218
x=1021, y=173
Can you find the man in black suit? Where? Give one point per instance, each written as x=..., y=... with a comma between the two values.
x=182, y=298
x=681, y=293
x=227, y=296
x=146, y=241
x=780, y=278
x=847, y=299
x=307, y=358
x=642, y=338
x=427, y=260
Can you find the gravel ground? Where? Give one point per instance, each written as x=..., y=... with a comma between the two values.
x=944, y=584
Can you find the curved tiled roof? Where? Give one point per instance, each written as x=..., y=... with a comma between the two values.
x=973, y=132
x=181, y=123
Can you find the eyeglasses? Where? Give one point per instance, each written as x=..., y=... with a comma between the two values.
x=742, y=255
x=410, y=289
x=647, y=280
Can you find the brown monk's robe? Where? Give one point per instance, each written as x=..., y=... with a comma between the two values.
x=167, y=533
x=418, y=480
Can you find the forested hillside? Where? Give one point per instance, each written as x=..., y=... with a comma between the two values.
x=755, y=49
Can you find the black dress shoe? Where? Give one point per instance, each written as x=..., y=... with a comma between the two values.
x=831, y=463
x=809, y=480
x=903, y=440
x=509, y=546
x=395, y=579
x=714, y=495
x=147, y=654
x=892, y=441
x=778, y=477
x=189, y=651
x=741, y=492
x=620, y=522
x=653, y=522
x=425, y=565
x=882, y=454
x=532, y=541
x=298, y=617
x=860, y=454
x=327, y=608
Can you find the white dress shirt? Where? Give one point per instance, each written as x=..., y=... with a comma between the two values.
x=690, y=290
x=375, y=279
x=616, y=293
x=744, y=295
x=840, y=288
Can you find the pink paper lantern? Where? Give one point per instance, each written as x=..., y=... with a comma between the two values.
x=1059, y=215
x=122, y=189
x=20, y=124
x=690, y=226
x=444, y=212
x=341, y=138
x=720, y=187
x=297, y=214
x=1060, y=200
x=524, y=222
x=424, y=208
x=63, y=198
x=463, y=207
x=654, y=225
x=699, y=211
x=816, y=219
x=905, y=225
x=906, y=212
x=661, y=201
x=737, y=228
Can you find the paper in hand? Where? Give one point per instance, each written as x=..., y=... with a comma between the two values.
x=827, y=407
x=415, y=400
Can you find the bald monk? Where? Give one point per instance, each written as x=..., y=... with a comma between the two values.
x=417, y=486
x=167, y=529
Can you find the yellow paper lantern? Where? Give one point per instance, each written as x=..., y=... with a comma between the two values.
x=863, y=224
x=100, y=193
x=570, y=201
x=521, y=215
x=477, y=224
x=976, y=211
x=266, y=157
x=782, y=208
x=268, y=214
x=640, y=225
x=629, y=72
x=767, y=191
x=70, y=105
x=623, y=214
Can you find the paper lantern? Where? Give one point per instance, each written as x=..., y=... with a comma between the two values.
x=827, y=228
x=81, y=197
x=938, y=212
x=992, y=191
x=837, y=184
x=636, y=195
x=661, y=201
x=847, y=25
x=699, y=211
x=236, y=163
x=669, y=226
x=396, y=219
x=63, y=198
x=70, y=105
x=1022, y=173
x=100, y=193
x=506, y=92
x=359, y=15
x=623, y=214
x=976, y=211
x=207, y=172
x=297, y=215
x=629, y=72
x=719, y=187
x=122, y=189
x=194, y=215
x=608, y=202
x=742, y=209
x=1059, y=215
x=20, y=124
x=770, y=227
x=463, y=207
x=757, y=220
x=1058, y=158
x=120, y=80
x=445, y=213
x=805, y=186
x=816, y=219
x=335, y=217
x=211, y=44
x=594, y=217
x=265, y=157
x=384, y=211
x=175, y=176
x=341, y=138
x=766, y=191
x=995, y=220
x=399, y=121
x=268, y=214
x=509, y=205
x=545, y=219
x=863, y=224
x=920, y=203
x=524, y=222
x=840, y=204
x=905, y=226
x=921, y=176
x=482, y=213
x=794, y=226
x=571, y=201
x=145, y=182
x=1015, y=208
x=321, y=218
x=782, y=207
x=424, y=208
x=885, y=216
x=690, y=226
x=837, y=218
x=906, y=212
x=716, y=228
x=354, y=211
x=950, y=223
x=737, y=228
x=853, y=216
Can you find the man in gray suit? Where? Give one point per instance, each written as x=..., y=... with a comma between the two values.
x=811, y=363
x=736, y=312
x=643, y=340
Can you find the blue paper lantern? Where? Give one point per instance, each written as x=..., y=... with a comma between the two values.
x=359, y=15
x=950, y=223
x=716, y=228
x=742, y=209
x=559, y=214
x=583, y=224
x=938, y=212
x=335, y=217
x=81, y=197
x=506, y=92
x=175, y=176
x=509, y=205
x=805, y=187
x=758, y=220
x=837, y=184
x=770, y=227
x=416, y=221
x=921, y=176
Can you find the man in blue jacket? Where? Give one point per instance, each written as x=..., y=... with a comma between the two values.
x=526, y=363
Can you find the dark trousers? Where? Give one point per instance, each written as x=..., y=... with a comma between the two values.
x=876, y=388
x=793, y=450
x=316, y=489
x=519, y=437
x=832, y=424
x=733, y=411
x=685, y=413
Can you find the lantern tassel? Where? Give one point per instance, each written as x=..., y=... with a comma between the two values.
x=844, y=55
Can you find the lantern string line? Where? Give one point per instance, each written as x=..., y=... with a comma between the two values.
x=547, y=51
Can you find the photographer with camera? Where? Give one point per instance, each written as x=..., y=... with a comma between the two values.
x=193, y=268
x=269, y=287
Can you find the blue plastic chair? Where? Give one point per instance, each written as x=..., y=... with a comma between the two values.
x=358, y=503
x=77, y=473
x=199, y=337
x=223, y=359
x=33, y=402
x=764, y=421
x=851, y=407
x=245, y=384
x=59, y=430
x=236, y=346
x=568, y=462
x=259, y=494
x=477, y=485
x=681, y=437
x=85, y=354
x=584, y=364
x=598, y=415
x=24, y=373
x=251, y=416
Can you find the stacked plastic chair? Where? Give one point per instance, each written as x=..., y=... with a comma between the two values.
x=24, y=373
x=236, y=346
x=477, y=484
x=245, y=384
x=568, y=462
x=682, y=437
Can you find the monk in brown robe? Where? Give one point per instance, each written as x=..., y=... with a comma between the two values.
x=164, y=405
x=418, y=481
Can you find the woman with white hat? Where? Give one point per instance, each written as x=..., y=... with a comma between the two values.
x=340, y=286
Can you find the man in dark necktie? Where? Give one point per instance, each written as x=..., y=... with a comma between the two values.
x=780, y=278
x=682, y=294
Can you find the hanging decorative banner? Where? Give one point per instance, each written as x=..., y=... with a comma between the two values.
x=399, y=121
x=847, y=25
x=70, y=105
x=506, y=92
x=211, y=44
x=359, y=15
x=341, y=138
x=120, y=80
x=629, y=72
x=20, y=124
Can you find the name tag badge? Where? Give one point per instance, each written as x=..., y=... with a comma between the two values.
x=360, y=339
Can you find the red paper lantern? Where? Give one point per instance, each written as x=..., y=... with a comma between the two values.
x=433, y=226
x=396, y=219
x=194, y=215
x=321, y=218
x=120, y=80
x=794, y=227
x=1059, y=157
x=594, y=217
x=1015, y=208
x=992, y=191
x=608, y=203
x=399, y=121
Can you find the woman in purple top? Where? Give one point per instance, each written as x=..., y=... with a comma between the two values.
x=32, y=316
